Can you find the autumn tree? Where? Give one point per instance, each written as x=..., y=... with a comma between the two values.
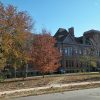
x=14, y=28
x=89, y=60
x=44, y=53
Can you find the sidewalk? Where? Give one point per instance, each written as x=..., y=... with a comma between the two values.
x=47, y=87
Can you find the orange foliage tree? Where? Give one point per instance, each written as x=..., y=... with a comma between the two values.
x=44, y=53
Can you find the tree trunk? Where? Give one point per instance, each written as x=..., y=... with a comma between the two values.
x=15, y=72
x=26, y=70
x=43, y=75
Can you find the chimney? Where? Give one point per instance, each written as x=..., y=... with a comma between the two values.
x=71, y=31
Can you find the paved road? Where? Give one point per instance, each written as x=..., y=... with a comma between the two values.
x=87, y=94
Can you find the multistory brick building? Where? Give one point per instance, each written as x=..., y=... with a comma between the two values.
x=78, y=53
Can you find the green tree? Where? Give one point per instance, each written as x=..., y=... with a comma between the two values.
x=15, y=26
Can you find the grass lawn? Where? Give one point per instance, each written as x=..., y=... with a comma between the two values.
x=48, y=80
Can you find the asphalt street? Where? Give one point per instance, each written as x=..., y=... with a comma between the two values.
x=86, y=94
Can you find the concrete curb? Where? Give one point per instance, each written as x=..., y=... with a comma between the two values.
x=47, y=87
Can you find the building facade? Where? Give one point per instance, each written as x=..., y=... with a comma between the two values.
x=78, y=54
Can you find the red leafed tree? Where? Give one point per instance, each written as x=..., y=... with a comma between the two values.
x=44, y=53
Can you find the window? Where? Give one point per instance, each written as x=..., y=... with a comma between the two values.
x=69, y=63
x=80, y=51
x=60, y=50
x=68, y=51
x=76, y=51
x=98, y=53
x=85, y=51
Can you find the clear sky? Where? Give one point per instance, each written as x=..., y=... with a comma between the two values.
x=83, y=15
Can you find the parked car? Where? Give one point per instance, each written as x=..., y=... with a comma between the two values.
x=61, y=70
x=98, y=69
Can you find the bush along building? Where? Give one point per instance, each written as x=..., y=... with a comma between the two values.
x=79, y=54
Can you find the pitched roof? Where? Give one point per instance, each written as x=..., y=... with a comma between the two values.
x=91, y=32
x=61, y=34
x=79, y=40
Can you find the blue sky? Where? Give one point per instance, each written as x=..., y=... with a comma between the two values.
x=83, y=15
